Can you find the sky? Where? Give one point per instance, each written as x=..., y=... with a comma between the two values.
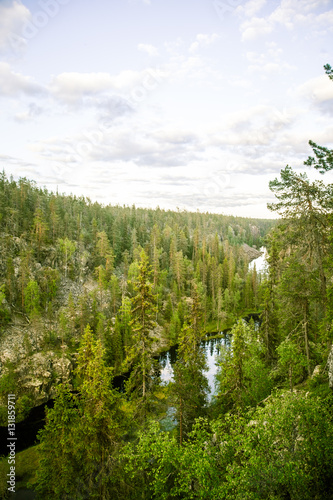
x=181, y=104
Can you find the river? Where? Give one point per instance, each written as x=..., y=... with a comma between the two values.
x=35, y=421
x=260, y=262
x=210, y=346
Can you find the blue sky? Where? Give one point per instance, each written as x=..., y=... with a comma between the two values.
x=193, y=104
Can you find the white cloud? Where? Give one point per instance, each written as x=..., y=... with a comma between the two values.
x=245, y=137
x=130, y=140
x=13, y=84
x=318, y=89
x=149, y=49
x=269, y=61
x=325, y=20
x=193, y=70
x=71, y=87
x=288, y=14
x=203, y=40
x=249, y=9
x=299, y=139
x=32, y=112
x=13, y=16
x=255, y=27
x=257, y=126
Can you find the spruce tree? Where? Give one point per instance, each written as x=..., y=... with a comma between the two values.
x=79, y=444
x=190, y=384
x=139, y=355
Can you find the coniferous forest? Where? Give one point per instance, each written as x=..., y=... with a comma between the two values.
x=89, y=293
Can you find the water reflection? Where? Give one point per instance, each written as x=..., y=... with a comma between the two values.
x=211, y=348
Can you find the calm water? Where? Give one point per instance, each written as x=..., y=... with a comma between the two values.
x=211, y=348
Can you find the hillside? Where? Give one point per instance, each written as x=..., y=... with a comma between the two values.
x=67, y=262
x=91, y=291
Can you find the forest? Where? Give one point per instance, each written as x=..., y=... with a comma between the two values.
x=90, y=292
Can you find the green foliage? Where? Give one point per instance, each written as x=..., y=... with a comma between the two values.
x=159, y=468
x=86, y=428
x=49, y=285
x=59, y=470
x=190, y=385
x=323, y=160
x=174, y=327
x=297, y=293
x=4, y=310
x=49, y=237
x=284, y=451
x=26, y=463
x=140, y=277
x=291, y=360
x=8, y=380
x=67, y=249
x=329, y=71
x=139, y=354
x=243, y=378
x=32, y=298
x=24, y=404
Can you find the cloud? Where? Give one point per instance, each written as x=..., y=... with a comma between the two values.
x=130, y=162
x=318, y=90
x=8, y=158
x=245, y=137
x=13, y=84
x=13, y=16
x=269, y=61
x=18, y=167
x=111, y=108
x=132, y=153
x=146, y=146
x=249, y=9
x=257, y=125
x=149, y=49
x=203, y=41
x=72, y=87
x=287, y=14
x=187, y=64
x=297, y=141
x=129, y=141
x=255, y=27
x=33, y=111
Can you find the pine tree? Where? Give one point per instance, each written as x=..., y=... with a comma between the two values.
x=306, y=206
